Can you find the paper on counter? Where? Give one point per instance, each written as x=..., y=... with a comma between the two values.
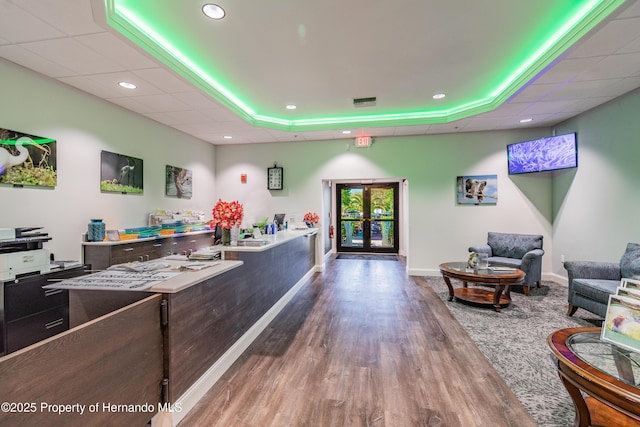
x=115, y=280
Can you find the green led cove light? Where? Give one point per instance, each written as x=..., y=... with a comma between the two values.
x=146, y=26
x=35, y=140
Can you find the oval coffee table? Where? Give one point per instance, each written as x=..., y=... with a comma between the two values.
x=499, y=277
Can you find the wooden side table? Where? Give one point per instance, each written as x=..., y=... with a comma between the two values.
x=603, y=372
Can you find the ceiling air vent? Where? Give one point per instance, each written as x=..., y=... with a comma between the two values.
x=364, y=102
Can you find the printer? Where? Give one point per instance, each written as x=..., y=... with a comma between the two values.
x=21, y=252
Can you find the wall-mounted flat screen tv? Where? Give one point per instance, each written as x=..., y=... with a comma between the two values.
x=544, y=154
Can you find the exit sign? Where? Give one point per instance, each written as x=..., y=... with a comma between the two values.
x=363, y=141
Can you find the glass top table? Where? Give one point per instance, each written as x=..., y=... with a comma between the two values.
x=600, y=377
x=610, y=359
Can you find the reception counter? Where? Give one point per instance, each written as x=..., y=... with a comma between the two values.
x=159, y=352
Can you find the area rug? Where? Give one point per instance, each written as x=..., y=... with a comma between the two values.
x=514, y=341
x=371, y=257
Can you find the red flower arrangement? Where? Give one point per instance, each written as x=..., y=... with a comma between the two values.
x=227, y=214
x=311, y=217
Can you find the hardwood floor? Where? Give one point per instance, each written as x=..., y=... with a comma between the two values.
x=361, y=345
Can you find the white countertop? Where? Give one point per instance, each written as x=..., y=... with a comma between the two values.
x=167, y=280
x=193, y=277
x=272, y=239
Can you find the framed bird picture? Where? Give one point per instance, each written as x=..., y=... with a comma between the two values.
x=120, y=173
x=27, y=160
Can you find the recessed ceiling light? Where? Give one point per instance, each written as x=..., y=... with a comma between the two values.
x=127, y=85
x=213, y=11
x=291, y=107
x=439, y=95
x=227, y=137
x=526, y=120
x=346, y=132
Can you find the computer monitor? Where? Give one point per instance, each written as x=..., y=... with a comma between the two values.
x=278, y=219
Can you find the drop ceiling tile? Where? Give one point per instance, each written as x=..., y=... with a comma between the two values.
x=612, y=67
x=580, y=89
x=19, y=26
x=535, y=92
x=106, y=85
x=165, y=80
x=622, y=86
x=452, y=127
x=507, y=109
x=28, y=59
x=546, y=106
x=70, y=17
x=282, y=136
x=631, y=47
x=568, y=69
x=117, y=51
x=200, y=128
x=411, y=130
x=589, y=103
x=72, y=54
x=223, y=115
x=611, y=38
x=631, y=9
x=161, y=103
x=197, y=99
x=131, y=104
x=178, y=117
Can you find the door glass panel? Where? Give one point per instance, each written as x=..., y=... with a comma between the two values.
x=382, y=234
x=352, y=234
x=351, y=205
x=382, y=215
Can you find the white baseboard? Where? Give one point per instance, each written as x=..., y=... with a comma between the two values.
x=555, y=278
x=423, y=272
x=190, y=398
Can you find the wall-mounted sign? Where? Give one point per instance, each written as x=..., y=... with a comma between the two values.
x=363, y=141
x=275, y=178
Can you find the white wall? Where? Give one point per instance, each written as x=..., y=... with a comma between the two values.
x=586, y=213
x=440, y=229
x=83, y=126
x=596, y=205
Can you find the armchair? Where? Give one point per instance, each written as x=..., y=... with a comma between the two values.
x=523, y=251
x=591, y=283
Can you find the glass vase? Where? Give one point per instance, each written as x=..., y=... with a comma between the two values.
x=235, y=235
x=226, y=236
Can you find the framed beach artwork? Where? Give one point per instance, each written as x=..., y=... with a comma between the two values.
x=27, y=160
x=120, y=173
x=477, y=189
x=179, y=182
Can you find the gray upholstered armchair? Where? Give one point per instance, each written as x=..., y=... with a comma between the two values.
x=523, y=251
x=591, y=283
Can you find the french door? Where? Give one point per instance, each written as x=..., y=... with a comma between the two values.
x=368, y=217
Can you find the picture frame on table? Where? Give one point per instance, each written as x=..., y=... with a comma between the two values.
x=621, y=325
